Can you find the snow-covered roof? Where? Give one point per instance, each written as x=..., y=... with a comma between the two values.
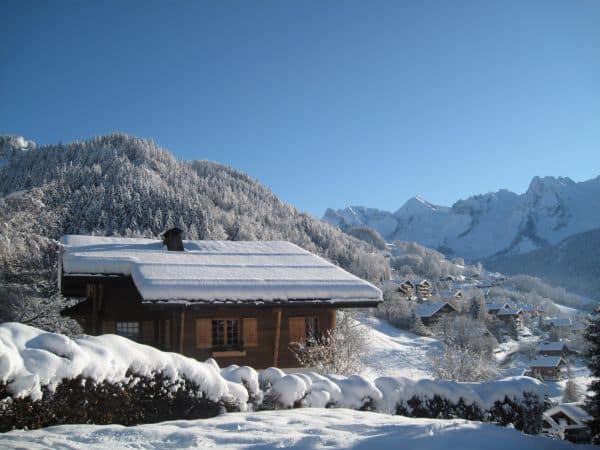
x=547, y=361
x=496, y=305
x=215, y=270
x=558, y=322
x=551, y=347
x=428, y=309
x=508, y=312
x=572, y=410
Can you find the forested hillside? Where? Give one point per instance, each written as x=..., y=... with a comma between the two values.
x=123, y=185
x=573, y=263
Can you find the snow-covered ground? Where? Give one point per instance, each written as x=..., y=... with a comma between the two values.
x=298, y=428
x=394, y=352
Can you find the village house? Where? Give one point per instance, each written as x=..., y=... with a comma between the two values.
x=578, y=327
x=407, y=288
x=238, y=302
x=423, y=289
x=553, y=349
x=548, y=368
x=493, y=308
x=567, y=421
x=431, y=312
x=510, y=315
x=561, y=324
x=451, y=295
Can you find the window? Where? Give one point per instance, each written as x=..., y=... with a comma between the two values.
x=129, y=330
x=303, y=328
x=312, y=328
x=225, y=333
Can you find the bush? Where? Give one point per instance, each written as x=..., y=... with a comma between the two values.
x=80, y=400
x=525, y=415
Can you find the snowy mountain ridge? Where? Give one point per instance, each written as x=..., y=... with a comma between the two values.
x=496, y=223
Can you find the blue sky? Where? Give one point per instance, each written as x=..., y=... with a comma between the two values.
x=329, y=103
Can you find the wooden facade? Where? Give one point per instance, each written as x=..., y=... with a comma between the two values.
x=256, y=334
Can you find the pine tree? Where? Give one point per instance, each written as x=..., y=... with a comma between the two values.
x=592, y=334
x=572, y=393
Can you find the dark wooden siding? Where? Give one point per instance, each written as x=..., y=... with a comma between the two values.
x=161, y=325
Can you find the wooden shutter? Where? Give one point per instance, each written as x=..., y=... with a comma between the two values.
x=297, y=329
x=203, y=333
x=148, y=331
x=108, y=326
x=250, y=332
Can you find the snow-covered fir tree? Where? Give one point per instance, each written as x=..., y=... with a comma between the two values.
x=592, y=334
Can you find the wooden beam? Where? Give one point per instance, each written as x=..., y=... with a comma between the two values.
x=181, y=322
x=95, y=293
x=332, y=319
x=277, y=336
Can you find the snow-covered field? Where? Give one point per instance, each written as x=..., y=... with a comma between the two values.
x=298, y=428
x=394, y=352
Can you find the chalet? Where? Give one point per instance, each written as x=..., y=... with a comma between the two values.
x=407, y=288
x=237, y=302
x=451, y=295
x=431, y=312
x=561, y=324
x=547, y=367
x=578, y=327
x=510, y=315
x=493, y=308
x=553, y=349
x=567, y=421
x=423, y=289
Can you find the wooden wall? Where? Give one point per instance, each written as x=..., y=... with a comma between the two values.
x=163, y=326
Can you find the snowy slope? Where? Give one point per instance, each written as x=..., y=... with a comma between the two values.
x=299, y=428
x=484, y=225
x=394, y=352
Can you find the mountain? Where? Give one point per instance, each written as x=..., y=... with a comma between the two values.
x=573, y=263
x=499, y=223
x=124, y=185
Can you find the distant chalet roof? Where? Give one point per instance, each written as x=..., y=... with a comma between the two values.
x=496, y=305
x=558, y=322
x=573, y=410
x=552, y=347
x=547, y=361
x=211, y=271
x=508, y=312
x=429, y=309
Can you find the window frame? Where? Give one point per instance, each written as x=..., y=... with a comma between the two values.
x=227, y=345
x=126, y=324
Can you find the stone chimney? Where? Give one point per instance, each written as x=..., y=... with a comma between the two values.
x=172, y=238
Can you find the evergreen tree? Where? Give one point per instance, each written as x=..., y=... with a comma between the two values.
x=572, y=393
x=592, y=334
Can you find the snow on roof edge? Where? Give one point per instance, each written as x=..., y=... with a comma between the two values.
x=219, y=270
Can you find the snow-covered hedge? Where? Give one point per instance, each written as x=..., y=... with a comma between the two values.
x=47, y=379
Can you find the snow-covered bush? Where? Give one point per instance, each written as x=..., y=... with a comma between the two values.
x=338, y=351
x=518, y=401
x=468, y=350
x=48, y=379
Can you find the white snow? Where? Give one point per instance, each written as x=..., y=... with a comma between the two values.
x=551, y=347
x=216, y=270
x=31, y=358
x=298, y=428
x=547, y=361
x=573, y=410
x=484, y=394
x=394, y=352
